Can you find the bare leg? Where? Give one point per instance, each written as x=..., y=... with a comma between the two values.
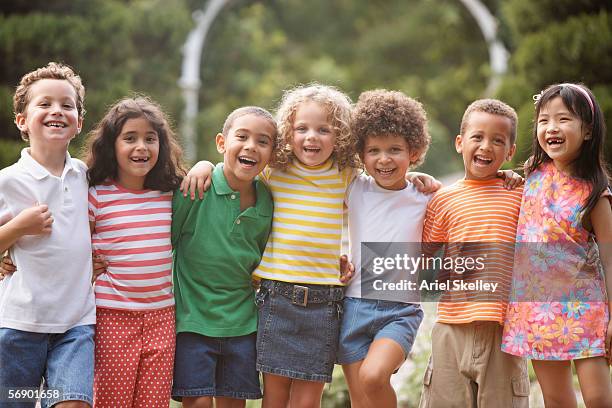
x=555, y=378
x=594, y=377
x=306, y=394
x=276, y=391
x=351, y=374
x=384, y=357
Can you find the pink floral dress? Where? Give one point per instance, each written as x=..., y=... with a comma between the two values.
x=558, y=308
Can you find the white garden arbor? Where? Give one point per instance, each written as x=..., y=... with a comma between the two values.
x=196, y=41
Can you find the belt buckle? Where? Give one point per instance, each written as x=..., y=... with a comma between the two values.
x=299, y=291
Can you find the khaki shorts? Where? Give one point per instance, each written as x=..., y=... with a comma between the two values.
x=468, y=369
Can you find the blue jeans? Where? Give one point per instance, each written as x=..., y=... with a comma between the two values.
x=64, y=360
x=215, y=366
x=366, y=320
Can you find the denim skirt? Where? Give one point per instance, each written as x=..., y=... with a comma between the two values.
x=297, y=335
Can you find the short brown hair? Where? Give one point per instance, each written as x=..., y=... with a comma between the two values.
x=259, y=112
x=53, y=70
x=381, y=112
x=494, y=107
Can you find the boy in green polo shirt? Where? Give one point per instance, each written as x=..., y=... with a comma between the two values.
x=218, y=241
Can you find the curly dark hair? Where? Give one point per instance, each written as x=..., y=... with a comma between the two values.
x=494, y=107
x=99, y=151
x=381, y=113
x=52, y=70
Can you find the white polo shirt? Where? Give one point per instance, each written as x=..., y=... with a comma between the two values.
x=51, y=290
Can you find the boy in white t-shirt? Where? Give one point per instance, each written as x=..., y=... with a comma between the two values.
x=47, y=310
x=378, y=330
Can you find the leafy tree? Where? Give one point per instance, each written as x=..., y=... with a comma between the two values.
x=557, y=41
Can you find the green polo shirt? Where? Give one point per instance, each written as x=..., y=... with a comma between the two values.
x=216, y=247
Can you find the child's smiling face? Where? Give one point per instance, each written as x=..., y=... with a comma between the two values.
x=387, y=158
x=313, y=135
x=51, y=115
x=247, y=149
x=560, y=133
x=485, y=145
x=136, y=151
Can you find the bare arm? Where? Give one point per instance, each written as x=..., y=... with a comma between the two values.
x=35, y=220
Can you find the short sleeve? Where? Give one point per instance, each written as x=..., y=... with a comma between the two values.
x=5, y=212
x=92, y=198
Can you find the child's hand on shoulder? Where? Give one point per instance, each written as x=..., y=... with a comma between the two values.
x=347, y=269
x=512, y=179
x=99, y=265
x=7, y=267
x=197, y=179
x=424, y=183
x=35, y=220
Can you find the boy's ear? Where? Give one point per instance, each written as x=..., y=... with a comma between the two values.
x=511, y=152
x=20, y=122
x=220, y=141
x=79, y=124
x=459, y=144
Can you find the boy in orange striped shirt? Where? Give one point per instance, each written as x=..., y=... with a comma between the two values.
x=467, y=366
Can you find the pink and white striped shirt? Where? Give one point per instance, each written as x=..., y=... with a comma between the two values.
x=132, y=231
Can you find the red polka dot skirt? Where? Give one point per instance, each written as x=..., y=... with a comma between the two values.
x=134, y=358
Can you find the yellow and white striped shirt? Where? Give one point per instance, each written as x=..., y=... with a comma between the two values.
x=305, y=242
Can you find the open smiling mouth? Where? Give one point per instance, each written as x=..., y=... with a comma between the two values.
x=139, y=159
x=385, y=172
x=484, y=161
x=554, y=141
x=58, y=125
x=312, y=149
x=247, y=161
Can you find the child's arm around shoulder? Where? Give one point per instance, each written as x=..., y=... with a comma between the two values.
x=35, y=220
x=601, y=219
x=197, y=179
x=181, y=207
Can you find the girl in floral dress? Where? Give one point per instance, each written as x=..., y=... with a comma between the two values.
x=559, y=310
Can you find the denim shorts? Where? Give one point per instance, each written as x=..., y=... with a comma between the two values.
x=366, y=320
x=296, y=340
x=64, y=360
x=215, y=367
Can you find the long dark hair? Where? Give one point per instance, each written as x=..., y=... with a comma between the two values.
x=590, y=164
x=99, y=151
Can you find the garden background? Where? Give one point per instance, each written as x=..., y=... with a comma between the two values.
x=432, y=50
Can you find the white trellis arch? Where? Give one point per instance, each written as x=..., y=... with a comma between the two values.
x=196, y=40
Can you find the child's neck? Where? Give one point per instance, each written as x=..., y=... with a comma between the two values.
x=50, y=157
x=564, y=167
x=130, y=182
x=246, y=189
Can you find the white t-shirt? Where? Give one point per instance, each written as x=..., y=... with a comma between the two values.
x=51, y=291
x=379, y=215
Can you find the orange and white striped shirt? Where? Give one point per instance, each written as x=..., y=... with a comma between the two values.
x=482, y=215
x=132, y=231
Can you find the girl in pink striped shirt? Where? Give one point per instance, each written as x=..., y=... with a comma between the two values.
x=134, y=165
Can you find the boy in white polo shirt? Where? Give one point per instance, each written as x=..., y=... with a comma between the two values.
x=47, y=310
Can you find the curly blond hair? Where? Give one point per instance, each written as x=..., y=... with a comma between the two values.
x=338, y=106
x=381, y=113
x=53, y=70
